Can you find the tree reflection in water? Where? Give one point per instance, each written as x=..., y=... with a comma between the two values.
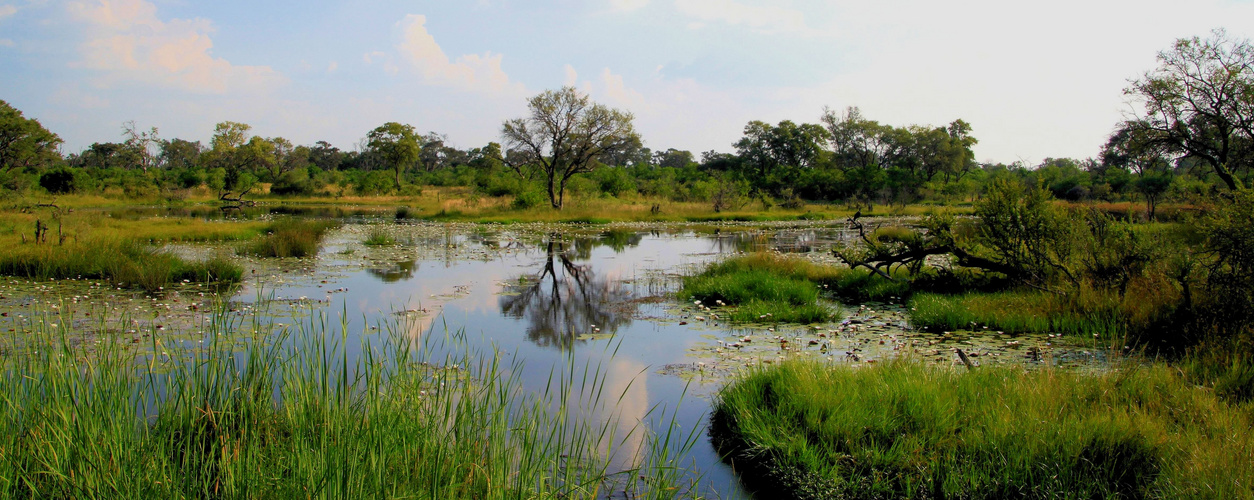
x=566, y=299
x=396, y=272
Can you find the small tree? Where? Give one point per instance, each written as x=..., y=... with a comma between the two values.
x=566, y=134
x=397, y=145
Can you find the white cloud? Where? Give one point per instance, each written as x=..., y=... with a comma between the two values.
x=628, y=5
x=370, y=57
x=5, y=42
x=7, y=10
x=619, y=94
x=127, y=42
x=332, y=66
x=572, y=76
x=763, y=18
x=481, y=73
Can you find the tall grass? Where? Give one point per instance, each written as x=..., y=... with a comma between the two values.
x=293, y=416
x=906, y=430
x=1138, y=315
x=122, y=263
x=379, y=237
x=761, y=286
x=289, y=237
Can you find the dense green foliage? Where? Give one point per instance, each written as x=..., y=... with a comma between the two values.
x=1189, y=144
x=905, y=430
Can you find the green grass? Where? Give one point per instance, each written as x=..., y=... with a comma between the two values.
x=758, y=284
x=906, y=430
x=122, y=263
x=289, y=237
x=1017, y=312
x=291, y=416
x=379, y=237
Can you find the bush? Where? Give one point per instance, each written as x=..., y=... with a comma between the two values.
x=58, y=181
x=529, y=199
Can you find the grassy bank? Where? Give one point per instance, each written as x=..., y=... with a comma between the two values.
x=762, y=286
x=293, y=416
x=121, y=263
x=904, y=430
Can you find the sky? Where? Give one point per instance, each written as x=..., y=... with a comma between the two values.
x=1034, y=79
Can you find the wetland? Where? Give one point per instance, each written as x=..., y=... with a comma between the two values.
x=547, y=296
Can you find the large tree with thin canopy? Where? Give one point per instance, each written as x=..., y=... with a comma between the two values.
x=565, y=134
x=1199, y=103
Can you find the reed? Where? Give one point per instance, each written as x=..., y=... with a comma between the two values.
x=286, y=412
x=289, y=237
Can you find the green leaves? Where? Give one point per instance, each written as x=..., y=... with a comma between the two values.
x=24, y=142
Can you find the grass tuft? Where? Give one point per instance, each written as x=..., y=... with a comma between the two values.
x=762, y=286
x=906, y=430
x=379, y=237
x=289, y=237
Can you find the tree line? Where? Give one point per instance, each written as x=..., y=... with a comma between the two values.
x=1193, y=136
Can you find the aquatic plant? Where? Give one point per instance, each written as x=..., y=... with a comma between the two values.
x=379, y=237
x=264, y=410
x=290, y=237
x=761, y=286
x=122, y=263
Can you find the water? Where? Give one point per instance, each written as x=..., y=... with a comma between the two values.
x=551, y=295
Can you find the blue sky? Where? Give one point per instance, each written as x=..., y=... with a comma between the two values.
x=1035, y=79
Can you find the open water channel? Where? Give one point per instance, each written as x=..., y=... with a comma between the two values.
x=552, y=294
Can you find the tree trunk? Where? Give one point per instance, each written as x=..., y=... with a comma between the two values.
x=554, y=199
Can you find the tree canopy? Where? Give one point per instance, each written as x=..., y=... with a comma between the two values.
x=566, y=134
x=1199, y=103
x=24, y=142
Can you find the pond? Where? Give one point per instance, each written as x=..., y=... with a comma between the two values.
x=555, y=295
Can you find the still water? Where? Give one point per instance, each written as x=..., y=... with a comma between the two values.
x=553, y=295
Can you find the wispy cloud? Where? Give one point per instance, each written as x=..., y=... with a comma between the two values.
x=766, y=18
x=628, y=5
x=480, y=73
x=129, y=43
x=7, y=10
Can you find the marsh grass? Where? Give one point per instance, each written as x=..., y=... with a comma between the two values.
x=906, y=430
x=122, y=263
x=294, y=415
x=289, y=237
x=379, y=237
x=762, y=286
x=1144, y=313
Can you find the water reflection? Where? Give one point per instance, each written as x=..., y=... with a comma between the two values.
x=397, y=271
x=567, y=301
